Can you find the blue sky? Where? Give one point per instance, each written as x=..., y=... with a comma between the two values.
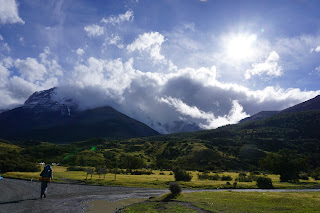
x=209, y=62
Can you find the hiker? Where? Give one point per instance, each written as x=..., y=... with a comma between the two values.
x=45, y=177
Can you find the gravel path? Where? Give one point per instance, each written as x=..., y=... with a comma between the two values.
x=24, y=196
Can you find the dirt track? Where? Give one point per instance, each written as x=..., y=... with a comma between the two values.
x=24, y=196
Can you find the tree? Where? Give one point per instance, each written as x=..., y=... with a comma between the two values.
x=133, y=162
x=285, y=163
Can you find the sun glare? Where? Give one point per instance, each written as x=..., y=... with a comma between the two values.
x=240, y=47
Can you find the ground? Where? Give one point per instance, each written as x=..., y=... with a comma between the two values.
x=24, y=196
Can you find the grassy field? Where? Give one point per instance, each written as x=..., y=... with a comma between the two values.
x=155, y=180
x=235, y=202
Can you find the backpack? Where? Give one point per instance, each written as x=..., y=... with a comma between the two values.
x=47, y=171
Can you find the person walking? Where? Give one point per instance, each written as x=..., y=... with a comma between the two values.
x=45, y=176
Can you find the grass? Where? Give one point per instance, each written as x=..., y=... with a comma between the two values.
x=153, y=207
x=156, y=180
x=237, y=202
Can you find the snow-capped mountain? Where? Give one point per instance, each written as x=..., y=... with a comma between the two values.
x=47, y=117
x=48, y=100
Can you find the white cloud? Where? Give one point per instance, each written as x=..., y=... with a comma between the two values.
x=94, y=30
x=80, y=51
x=317, y=69
x=34, y=74
x=317, y=49
x=1, y=37
x=269, y=66
x=157, y=99
x=31, y=69
x=127, y=16
x=9, y=12
x=184, y=109
x=21, y=39
x=114, y=40
x=5, y=47
x=149, y=42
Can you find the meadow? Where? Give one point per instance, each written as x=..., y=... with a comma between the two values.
x=233, y=202
x=159, y=179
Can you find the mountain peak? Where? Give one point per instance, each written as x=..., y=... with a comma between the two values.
x=40, y=97
x=48, y=100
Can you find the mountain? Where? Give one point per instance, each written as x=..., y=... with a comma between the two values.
x=181, y=126
x=312, y=104
x=46, y=117
x=259, y=116
x=232, y=147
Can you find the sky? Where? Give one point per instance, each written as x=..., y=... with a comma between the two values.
x=208, y=62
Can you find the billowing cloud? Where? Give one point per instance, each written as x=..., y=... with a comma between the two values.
x=127, y=16
x=155, y=78
x=34, y=74
x=94, y=30
x=31, y=69
x=159, y=99
x=150, y=43
x=9, y=12
x=269, y=67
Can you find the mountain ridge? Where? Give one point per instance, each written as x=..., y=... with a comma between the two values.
x=311, y=104
x=45, y=118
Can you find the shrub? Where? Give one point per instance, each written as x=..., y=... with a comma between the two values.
x=235, y=184
x=244, y=178
x=182, y=175
x=226, y=178
x=76, y=168
x=141, y=172
x=264, y=183
x=316, y=174
x=206, y=176
x=304, y=176
x=161, y=173
x=255, y=173
x=175, y=188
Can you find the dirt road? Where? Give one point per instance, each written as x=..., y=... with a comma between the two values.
x=24, y=196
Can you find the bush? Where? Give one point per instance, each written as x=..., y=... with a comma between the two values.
x=316, y=174
x=182, y=175
x=235, y=184
x=175, y=188
x=244, y=178
x=264, y=183
x=141, y=172
x=255, y=173
x=76, y=168
x=226, y=178
x=304, y=176
x=206, y=176
x=161, y=173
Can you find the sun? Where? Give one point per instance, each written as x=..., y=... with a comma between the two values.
x=241, y=46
